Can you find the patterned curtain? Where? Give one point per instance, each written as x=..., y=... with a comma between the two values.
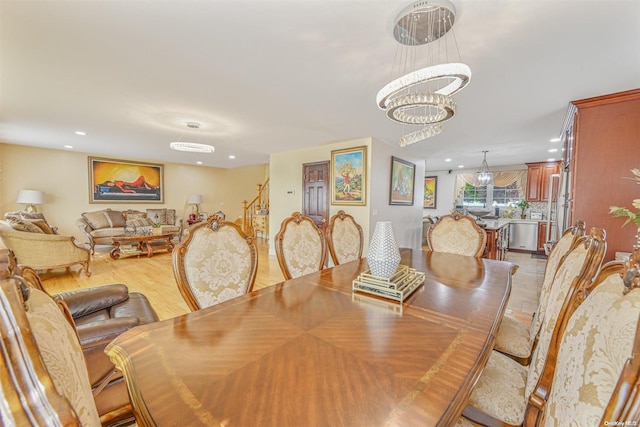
x=500, y=179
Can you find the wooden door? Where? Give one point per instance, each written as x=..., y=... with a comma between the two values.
x=316, y=192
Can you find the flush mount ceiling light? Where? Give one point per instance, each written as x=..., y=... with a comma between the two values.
x=422, y=96
x=484, y=176
x=193, y=147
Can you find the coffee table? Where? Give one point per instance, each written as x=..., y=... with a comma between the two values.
x=142, y=242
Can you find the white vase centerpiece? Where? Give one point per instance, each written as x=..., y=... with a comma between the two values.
x=383, y=255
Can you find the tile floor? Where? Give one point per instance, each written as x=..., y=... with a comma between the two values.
x=525, y=289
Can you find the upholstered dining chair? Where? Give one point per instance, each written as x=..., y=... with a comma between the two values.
x=214, y=263
x=503, y=389
x=300, y=246
x=344, y=238
x=457, y=234
x=44, y=377
x=517, y=339
x=597, y=372
x=99, y=314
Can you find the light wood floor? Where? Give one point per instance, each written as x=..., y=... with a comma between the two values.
x=154, y=278
x=151, y=276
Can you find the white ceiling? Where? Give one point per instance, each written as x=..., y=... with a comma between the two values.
x=269, y=76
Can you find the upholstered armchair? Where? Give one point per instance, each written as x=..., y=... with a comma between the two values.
x=43, y=251
x=503, y=389
x=344, y=238
x=516, y=339
x=300, y=246
x=215, y=262
x=457, y=234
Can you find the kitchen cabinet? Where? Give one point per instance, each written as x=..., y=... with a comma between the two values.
x=538, y=177
x=497, y=240
x=601, y=138
x=542, y=235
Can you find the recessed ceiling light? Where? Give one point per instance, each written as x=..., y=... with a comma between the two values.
x=231, y=156
x=447, y=160
x=553, y=150
x=460, y=166
x=554, y=140
x=81, y=133
x=68, y=146
x=198, y=162
x=551, y=160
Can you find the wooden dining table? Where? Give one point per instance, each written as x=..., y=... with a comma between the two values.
x=311, y=352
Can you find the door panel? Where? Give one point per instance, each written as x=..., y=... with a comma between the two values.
x=316, y=192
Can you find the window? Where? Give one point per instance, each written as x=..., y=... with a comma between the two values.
x=486, y=196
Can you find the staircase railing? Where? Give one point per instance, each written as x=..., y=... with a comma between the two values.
x=259, y=204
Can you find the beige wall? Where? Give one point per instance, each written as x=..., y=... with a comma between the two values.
x=286, y=175
x=63, y=176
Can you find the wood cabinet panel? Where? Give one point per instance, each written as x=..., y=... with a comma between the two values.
x=538, y=177
x=606, y=135
x=542, y=235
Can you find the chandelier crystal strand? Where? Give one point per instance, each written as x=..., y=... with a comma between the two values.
x=423, y=97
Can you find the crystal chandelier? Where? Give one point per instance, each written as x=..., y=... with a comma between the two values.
x=484, y=176
x=423, y=97
x=193, y=147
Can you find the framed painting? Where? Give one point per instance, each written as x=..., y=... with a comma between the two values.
x=403, y=177
x=348, y=176
x=117, y=181
x=430, y=191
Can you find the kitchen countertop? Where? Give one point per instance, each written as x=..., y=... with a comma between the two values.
x=497, y=224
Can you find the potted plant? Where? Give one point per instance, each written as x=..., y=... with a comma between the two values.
x=523, y=204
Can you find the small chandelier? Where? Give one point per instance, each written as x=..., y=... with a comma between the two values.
x=193, y=147
x=423, y=97
x=484, y=176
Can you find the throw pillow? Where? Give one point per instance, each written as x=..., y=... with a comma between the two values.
x=131, y=214
x=115, y=218
x=42, y=224
x=96, y=219
x=12, y=215
x=32, y=215
x=158, y=216
x=25, y=225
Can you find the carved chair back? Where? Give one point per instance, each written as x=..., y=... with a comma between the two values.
x=300, y=246
x=44, y=377
x=215, y=262
x=344, y=238
x=458, y=234
x=558, y=252
x=597, y=370
x=576, y=272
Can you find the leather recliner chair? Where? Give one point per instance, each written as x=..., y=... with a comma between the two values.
x=101, y=314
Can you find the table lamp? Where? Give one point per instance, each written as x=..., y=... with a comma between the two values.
x=30, y=198
x=195, y=200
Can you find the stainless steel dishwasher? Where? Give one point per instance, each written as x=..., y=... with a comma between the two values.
x=523, y=235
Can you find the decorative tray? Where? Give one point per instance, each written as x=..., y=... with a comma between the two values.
x=398, y=287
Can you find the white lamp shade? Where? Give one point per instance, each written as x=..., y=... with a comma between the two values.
x=30, y=197
x=195, y=199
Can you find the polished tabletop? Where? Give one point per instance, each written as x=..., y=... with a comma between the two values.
x=310, y=352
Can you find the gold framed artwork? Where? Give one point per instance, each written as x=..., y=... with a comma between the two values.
x=348, y=176
x=403, y=177
x=430, y=192
x=118, y=181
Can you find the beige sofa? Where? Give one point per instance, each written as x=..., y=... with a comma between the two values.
x=99, y=227
x=36, y=244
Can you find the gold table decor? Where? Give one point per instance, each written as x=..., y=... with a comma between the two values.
x=398, y=287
